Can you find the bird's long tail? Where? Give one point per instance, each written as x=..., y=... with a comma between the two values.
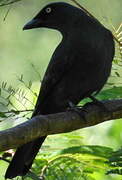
x=23, y=158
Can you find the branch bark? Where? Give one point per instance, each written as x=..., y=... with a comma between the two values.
x=68, y=121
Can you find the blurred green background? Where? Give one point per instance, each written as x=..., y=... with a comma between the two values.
x=19, y=49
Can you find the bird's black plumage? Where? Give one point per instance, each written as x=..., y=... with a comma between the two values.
x=79, y=67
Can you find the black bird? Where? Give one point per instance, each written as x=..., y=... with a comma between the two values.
x=79, y=67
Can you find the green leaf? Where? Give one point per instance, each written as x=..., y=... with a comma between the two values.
x=3, y=115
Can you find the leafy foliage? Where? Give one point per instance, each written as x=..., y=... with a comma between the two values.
x=81, y=162
x=118, y=37
x=15, y=102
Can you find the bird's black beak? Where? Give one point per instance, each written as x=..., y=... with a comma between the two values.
x=34, y=23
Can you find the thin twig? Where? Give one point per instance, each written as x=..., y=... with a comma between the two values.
x=6, y=4
x=85, y=10
x=7, y=12
x=17, y=111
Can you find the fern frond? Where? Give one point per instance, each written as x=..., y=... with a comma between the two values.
x=20, y=79
x=118, y=37
x=14, y=101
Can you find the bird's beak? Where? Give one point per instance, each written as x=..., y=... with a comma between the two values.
x=34, y=23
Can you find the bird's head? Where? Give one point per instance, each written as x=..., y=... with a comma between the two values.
x=55, y=15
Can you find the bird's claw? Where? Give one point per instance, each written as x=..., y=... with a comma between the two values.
x=78, y=109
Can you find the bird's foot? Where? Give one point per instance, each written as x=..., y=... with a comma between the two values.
x=78, y=109
x=71, y=105
x=98, y=103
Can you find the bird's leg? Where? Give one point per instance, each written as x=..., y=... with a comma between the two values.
x=73, y=106
x=99, y=103
x=78, y=109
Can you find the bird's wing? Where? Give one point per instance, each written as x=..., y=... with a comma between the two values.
x=58, y=67
x=55, y=72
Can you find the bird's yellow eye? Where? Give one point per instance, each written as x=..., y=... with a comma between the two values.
x=48, y=10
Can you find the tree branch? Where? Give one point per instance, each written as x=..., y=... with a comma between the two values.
x=44, y=125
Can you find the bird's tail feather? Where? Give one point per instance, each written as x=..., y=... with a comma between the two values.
x=23, y=158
